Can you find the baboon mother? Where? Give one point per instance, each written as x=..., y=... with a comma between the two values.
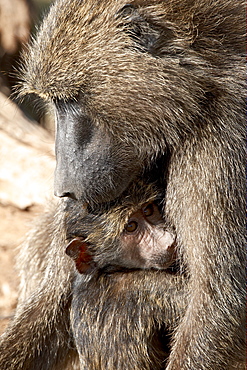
x=132, y=82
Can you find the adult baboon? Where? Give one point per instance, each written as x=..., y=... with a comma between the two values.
x=134, y=82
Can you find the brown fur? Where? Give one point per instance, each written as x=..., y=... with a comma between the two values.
x=157, y=79
x=135, y=317
x=52, y=324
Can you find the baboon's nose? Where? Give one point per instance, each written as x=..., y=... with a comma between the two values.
x=65, y=195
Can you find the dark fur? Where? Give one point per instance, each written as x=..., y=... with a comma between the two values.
x=136, y=314
x=150, y=80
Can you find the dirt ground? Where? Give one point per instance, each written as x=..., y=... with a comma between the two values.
x=26, y=175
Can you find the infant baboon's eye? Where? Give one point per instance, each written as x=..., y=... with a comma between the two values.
x=148, y=210
x=131, y=226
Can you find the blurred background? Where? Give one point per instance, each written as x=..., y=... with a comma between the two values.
x=26, y=147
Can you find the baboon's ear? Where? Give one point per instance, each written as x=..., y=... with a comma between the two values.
x=77, y=249
x=142, y=30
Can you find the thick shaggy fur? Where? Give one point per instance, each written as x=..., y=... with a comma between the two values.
x=150, y=80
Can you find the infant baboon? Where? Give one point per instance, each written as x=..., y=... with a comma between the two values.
x=130, y=234
x=66, y=326
x=101, y=245
x=144, y=243
x=133, y=83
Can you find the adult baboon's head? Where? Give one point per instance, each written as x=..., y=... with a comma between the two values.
x=125, y=82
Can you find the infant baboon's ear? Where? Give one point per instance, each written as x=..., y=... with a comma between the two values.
x=142, y=30
x=77, y=249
